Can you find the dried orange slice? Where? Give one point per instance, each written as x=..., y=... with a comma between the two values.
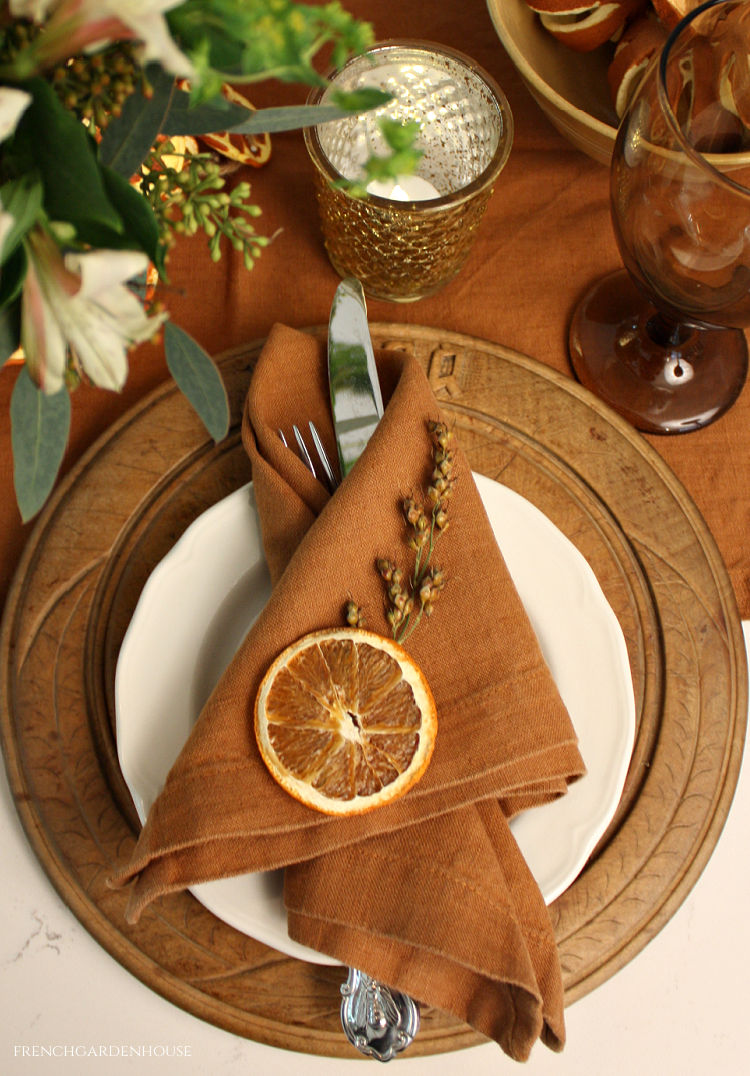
x=345, y=720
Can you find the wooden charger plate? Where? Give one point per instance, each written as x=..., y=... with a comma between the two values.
x=128, y=501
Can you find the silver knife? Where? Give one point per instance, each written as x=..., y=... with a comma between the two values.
x=356, y=400
x=378, y=1020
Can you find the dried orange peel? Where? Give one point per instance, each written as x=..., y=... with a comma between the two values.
x=251, y=149
x=345, y=721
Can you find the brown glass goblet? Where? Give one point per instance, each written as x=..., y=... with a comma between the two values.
x=661, y=341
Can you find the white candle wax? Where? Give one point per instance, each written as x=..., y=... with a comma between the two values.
x=403, y=189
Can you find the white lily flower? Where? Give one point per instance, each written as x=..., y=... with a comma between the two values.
x=146, y=19
x=90, y=24
x=13, y=103
x=80, y=304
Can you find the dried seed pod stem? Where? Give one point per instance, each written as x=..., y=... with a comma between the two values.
x=410, y=596
x=426, y=523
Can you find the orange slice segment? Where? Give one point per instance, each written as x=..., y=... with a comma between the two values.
x=345, y=721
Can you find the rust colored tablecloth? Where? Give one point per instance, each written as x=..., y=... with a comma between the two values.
x=546, y=237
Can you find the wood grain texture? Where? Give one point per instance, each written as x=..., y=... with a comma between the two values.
x=132, y=496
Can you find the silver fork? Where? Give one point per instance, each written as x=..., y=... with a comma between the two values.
x=379, y=1021
x=306, y=457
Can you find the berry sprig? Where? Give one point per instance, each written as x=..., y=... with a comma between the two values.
x=96, y=87
x=192, y=197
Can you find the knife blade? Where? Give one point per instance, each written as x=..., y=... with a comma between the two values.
x=356, y=399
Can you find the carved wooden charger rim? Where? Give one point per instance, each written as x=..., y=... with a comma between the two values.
x=126, y=503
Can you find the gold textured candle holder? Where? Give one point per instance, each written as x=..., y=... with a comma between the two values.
x=406, y=250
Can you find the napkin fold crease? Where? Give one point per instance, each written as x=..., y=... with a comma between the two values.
x=429, y=894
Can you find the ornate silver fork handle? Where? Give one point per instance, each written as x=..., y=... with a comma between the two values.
x=379, y=1021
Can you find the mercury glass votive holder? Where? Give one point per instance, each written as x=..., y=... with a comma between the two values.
x=408, y=241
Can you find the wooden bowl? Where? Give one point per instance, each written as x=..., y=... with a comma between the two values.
x=570, y=87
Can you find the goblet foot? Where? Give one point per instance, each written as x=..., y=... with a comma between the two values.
x=663, y=378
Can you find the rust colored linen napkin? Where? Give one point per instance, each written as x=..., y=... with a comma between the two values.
x=429, y=893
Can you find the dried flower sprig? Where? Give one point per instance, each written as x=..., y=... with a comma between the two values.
x=354, y=616
x=410, y=597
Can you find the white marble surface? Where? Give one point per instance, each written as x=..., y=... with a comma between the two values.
x=678, y=1009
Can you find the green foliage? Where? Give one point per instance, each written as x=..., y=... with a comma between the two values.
x=141, y=229
x=404, y=156
x=130, y=136
x=199, y=379
x=193, y=197
x=184, y=117
x=402, y=159
x=22, y=198
x=63, y=152
x=180, y=118
x=261, y=39
x=98, y=120
x=39, y=434
x=12, y=276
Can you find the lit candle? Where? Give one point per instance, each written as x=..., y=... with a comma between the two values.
x=413, y=234
x=403, y=189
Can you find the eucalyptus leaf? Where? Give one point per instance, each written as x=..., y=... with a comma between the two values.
x=292, y=117
x=128, y=138
x=361, y=100
x=186, y=119
x=39, y=434
x=22, y=198
x=10, y=331
x=198, y=378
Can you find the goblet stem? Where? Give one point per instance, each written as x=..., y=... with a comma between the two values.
x=661, y=375
x=665, y=332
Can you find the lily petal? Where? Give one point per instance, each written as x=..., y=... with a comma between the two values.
x=83, y=301
x=30, y=9
x=13, y=104
x=101, y=270
x=159, y=45
x=42, y=340
x=101, y=354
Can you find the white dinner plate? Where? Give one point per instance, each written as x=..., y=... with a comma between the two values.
x=200, y=601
